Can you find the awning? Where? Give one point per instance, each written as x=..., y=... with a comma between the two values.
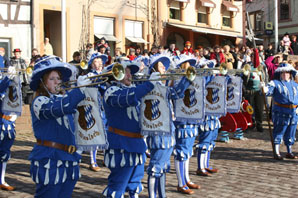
x=206, y=30
x=136, y=40
x=230, y=6
x=107, y=37
x=208, y=3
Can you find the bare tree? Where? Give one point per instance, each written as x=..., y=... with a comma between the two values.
x=85, y=31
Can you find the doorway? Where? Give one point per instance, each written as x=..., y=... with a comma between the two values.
x=52, y=30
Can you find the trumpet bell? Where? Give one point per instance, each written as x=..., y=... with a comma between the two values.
x=84, y=64
x=118, y=72
x=29, y=70
x=190, y=73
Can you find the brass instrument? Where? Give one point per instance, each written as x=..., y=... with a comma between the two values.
x=83, y=64
x=118, y=72
x=222, y=69
x=190, y=74
x=28, y=70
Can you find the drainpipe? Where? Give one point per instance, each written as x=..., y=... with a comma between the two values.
x=63, y=29
x=244, y=21
x=32, y=24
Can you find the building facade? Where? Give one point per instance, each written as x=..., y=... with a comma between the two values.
x=203, y=22
x=16, y=26
x=123, y=23
x=262, y=16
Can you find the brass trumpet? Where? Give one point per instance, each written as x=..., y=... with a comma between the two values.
x=190, y=74
x=83, y=64
x=117, y=72
x=27, y=71
x=223, y=70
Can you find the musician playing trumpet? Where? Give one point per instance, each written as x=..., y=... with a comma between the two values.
x=161, y=142
x=185, y=133
x=125, y=156
x=95, y=65
x=7, y=126
x=54, y=158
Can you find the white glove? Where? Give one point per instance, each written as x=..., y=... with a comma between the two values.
x=154, y=76
x=11, y=72
x=83, y=81
x=262, y=84
x=264, y=87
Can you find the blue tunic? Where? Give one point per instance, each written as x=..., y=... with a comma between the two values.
x=284, y=118
x=52, y=120
x=7, y=127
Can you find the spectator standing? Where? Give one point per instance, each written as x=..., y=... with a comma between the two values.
x=34, y=55
x=19, y=63
x=4, y=58
x=48, y=49
x=206, y=53
x=252, y=92
x=272, y=64
x=118, y=55
x=187, y=49
x=294, y=44
x=89, y=51
x=132, y=54
x=217, y=55
x=172, y=51
x=229, y=59
x=269, y=51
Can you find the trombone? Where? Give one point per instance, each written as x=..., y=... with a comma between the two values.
x=27, y=71
x=190, y=74
x=118, y=72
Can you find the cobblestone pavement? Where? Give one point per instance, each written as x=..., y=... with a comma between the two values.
x=247, y=169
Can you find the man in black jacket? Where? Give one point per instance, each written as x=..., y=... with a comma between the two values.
x=294, y=44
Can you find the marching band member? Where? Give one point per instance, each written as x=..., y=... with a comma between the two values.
x=125, y=156
x=54, y=159
x=208, y=131
x=161, y=144
x=7, y=129
x=96, y=64
x=284, y=111
x=185, y=135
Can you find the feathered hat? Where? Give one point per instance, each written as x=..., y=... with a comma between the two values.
x=103, y=57
x=45, y=64
x=159, y=58
x=284, y=67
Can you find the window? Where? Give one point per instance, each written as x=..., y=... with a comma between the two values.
x=202, y=14
x=175, y=10
x=284, y=12
x=202, y=17
x=226, y=19
x=258, y=21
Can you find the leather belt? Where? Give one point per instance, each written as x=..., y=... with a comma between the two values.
x=124, y=133
x=289, y=106
x=6, y=117
x=67, y=148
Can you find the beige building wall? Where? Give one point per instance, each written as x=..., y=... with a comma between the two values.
x=119, y=10
x=189, y=17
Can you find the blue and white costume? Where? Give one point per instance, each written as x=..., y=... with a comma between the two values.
x=208, y=131
x=161, y=146
x=284, y=110
x=7, y=132
x=102, y=87
x=185, y=135
x=125, y=156
x=55, y=171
